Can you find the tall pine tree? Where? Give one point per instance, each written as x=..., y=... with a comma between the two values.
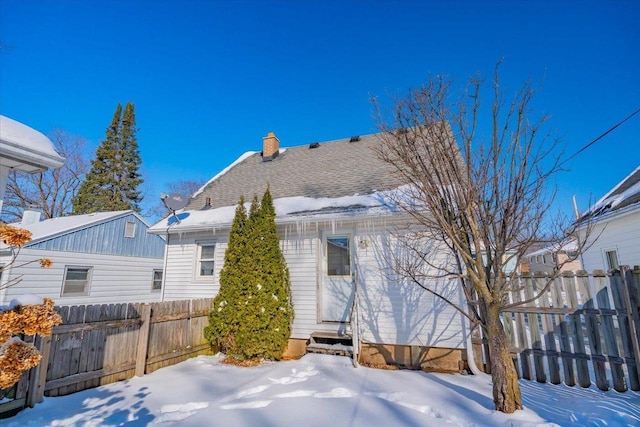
x=252, y=314
x=228, y=306
x=266, y=332
x=112, y=183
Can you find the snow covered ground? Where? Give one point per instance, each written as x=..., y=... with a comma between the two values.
x=321, y=390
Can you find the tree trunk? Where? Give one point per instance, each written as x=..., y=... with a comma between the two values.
x=506, y=390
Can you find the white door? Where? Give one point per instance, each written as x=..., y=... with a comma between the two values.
x=337, y=279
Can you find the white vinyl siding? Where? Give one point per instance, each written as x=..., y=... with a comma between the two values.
x=180, y=275
x=301, y=254
x=621, y=233
x=114, y=279
x=396, y=311
x=391, y=312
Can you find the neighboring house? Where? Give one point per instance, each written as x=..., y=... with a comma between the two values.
x=98, y=258
x=25, y=149
x=550, y=259
x=335, y=224
x=615, y=239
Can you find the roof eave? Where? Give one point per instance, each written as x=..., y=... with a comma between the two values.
x=611, y=215
x=281, y=220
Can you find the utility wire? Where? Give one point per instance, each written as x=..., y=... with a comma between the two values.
x=600, y=137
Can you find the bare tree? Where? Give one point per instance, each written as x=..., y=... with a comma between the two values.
x=52, y=190
x=479, y=186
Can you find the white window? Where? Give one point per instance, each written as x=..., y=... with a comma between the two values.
x=206, y=256
x=76, y=281
x=338, y=256
x=130, y=229
x=611, y=258
x=156, y=284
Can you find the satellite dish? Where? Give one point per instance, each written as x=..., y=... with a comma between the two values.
x=174, y=202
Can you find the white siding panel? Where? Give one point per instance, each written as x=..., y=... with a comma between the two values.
x=114, y=279
x=622, y=234
x=301, y=255
x=180, y=282
x=397, y=311
x=392, y=312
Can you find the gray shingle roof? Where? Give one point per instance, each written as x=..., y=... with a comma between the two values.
x=626, y=193
x=333, y=169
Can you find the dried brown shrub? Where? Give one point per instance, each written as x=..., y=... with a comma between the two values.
x=16, y=356
x=14, y=236
x=29, y=319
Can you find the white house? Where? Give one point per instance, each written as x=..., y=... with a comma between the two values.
x=24, y=148
x=549, y=259
x=615, y=239
x=335, y=225
x=99, y=258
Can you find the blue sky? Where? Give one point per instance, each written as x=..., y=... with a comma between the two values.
x=209, y=79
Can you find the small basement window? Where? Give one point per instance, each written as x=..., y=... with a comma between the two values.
x=130, y=229
x=156, y=284
x=76, y=281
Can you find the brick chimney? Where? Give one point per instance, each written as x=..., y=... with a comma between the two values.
x=270, y=147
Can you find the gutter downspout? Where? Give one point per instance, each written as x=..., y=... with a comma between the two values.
x=469, y=347
x=164, y=266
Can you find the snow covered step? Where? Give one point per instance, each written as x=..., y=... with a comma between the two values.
x=330, y=343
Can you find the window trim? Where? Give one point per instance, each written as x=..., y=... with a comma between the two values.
x=88, y=280
x=153, y=279
x=133, y=231
x=198, y=260
x=605, y=255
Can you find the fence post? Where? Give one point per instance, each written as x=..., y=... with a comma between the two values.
x=37, y=379
x=632, y=305
x=143, y=340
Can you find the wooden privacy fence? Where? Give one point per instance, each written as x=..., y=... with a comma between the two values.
x=584, y=329
x=101, y=344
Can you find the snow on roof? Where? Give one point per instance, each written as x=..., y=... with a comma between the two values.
x=24, y=148
x=65, y=224
x=286, y=207
x=223, y=171
x=624, y=193
x=25, y=299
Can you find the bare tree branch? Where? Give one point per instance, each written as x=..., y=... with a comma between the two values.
x=479, y=181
